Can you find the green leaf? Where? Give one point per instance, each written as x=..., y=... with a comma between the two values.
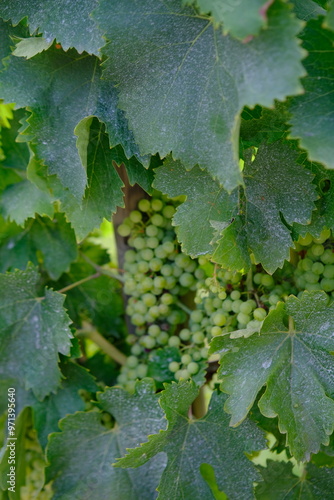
x=85, y=441
x=62, y=89
x=280, y=483
x=294, y=363
x=190, y=443
x=67, y=400
x=69, y=23
x=246, y=221
x=275, y=186
x=22, y=200
x=183, y=84
x=207, y=203
x=307, y=9
x=241, y=18
x=33, y=331
x=329, y=21
x=56, y=241
x=312, y=121
x=16, y=153
x=29, y=47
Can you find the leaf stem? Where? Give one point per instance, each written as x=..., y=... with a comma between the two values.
x=103, y=270
x=291, y=325
x=183, y=307
x=103, y=343
x=78, y=283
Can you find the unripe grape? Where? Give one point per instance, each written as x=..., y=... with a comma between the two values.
x=154, y=330
x=246, y=308
x=144, y=205
x=132, y=361
x=317, y=250
x=174, y=341
x=156, y=204
x=151, y=230
x=324, y=235
x=163, y=338
x=267, y=280
x=168, y=211
x=186, y=359
x=198, y=337
x=158, y=220
x=235, y=295
x=186, y=279
x=259, y=313
x=215, y=330
x=124, y=230
x=306, y=240
x=141, y=370
x=328, y=271
x=192, y=368
x=185, y=334
x=135, y=216
x=173, y=366
x=219, y=319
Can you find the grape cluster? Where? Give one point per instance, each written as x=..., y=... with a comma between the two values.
x=160, y=280
x=315, y=268
x=157, y=274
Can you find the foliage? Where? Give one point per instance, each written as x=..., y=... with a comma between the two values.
x=204, y=127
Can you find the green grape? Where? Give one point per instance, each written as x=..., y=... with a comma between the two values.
x=139, y=243
x=196, y=316
x=130, y=256
x=257, y=278
x=216, y=330
x=136, y=350
x=327, y=257
x=243, y=318
x=166, y=270
x=246, y=308
x=167, y=299
x=317, y=268
x=137, y=319
x=144, y=205
x=156, y=264
x=164, y=309
x=151, y=230
x=124, y=230
x=174, y=341
x=152, y=242
x=135, y=216
x=317, y=250
x=182, y=260
x=163, y=338
x=327, y=284
x=149, y=299
x=173, y=366
x=329, y=271
x=168, y=246
x=192, y=368
x=311, y=277
x=227, y=305
x=267, y=280
x=198, y=337
x=235, y=295
x=259, y=314
x=143, y=266
x=186, y=359
x=236, y=305
x=306, y=240
x=324, y=235
x=158, y=220
x=160, y=252
x=156, y=204
x=160, y=282
x=154, y=330
x=168, y=211
x=219, y=319
x=185, y=334
x=147, y=254
x=186, y=279
x=141, y=370
x=132, y=361
x=148, y=342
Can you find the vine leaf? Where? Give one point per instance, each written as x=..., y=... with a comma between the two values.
x=329, y=21
x=181, y=478
x=279, y=482
x=56, y=20
x=29, y=47
x=164, y=70
x=240, y=18
x=67, y=400
x=295, y=364
x=32, y=329
x=84, y=440
x=249, y=219
x=207, y=203
x=61, y=89
x=312, y=118
x=22, y=200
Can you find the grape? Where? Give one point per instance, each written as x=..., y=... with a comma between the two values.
x=192, y=368
x=158, y=220
x=174, y=341
x=173, y=366
x=135, y=216
x=151, y=230
x=259, y=314
x=198, y=337
x=306, y=240
x=328, y=271
x=185, y=334
x=317, y=250
x=186, y=359
x=156, y=204
x=147, y=254
x=267, y=280
x=144, y=205
x=168, y=211
x=124, y=230
x=186, y=279
x=154, y=330
x=132, y=361
x=219, y=319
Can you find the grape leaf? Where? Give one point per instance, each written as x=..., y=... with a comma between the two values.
x=66, y=400
x=181, y=478
x=280, y=483
x=275, y=186
x=329, y=21
x=164, y=68
x=241, y=18
x=69, y=22
x=251, y=219
x=29, y=47
x=16, y=154
x=33, y=331
x=62, y=89
x=295, y=364
x=7, y=31
x=53, y=240
x=307, y=9
x=207, y=202
x=85, y=441
x=312, y=117
x=23, y=200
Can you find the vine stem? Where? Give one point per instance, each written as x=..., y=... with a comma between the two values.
x=103, y=343
x=103, y=270
x=78, y=283
x=183, y=307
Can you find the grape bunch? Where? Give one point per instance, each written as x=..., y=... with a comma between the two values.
x=178, y=304
x=315, y=268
